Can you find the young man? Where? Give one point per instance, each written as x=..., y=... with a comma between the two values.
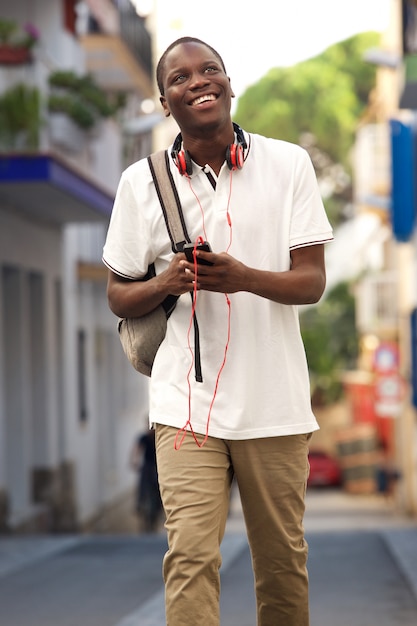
x=256, y=201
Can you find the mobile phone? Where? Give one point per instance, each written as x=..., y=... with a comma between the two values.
x=188, y=250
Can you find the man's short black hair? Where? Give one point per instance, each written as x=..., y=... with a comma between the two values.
x=161, y=64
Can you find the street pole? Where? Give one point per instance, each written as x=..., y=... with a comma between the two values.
x=406, y=422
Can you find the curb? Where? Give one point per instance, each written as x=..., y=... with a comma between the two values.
x=402, y=545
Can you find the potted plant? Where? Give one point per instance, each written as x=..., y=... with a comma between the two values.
x=69, y=120
x=76, y=105
x=20, y=118
x=81, y=98
x=76, y=110
x=15, y=48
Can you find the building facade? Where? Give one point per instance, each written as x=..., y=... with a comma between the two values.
x=70, y=403
x=385, y=175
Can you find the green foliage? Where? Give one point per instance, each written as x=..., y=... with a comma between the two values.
x=80, y=98
x=79, y=113
x=315, y=99
x=347, y=57
x=9, y=34
x=317, y=104
x=323, y=96
x=7, y=29
x=331, y=341
x=20, y=118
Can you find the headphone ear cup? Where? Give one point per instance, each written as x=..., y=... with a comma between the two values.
x=181, y=157
x=180, y=162
x=234, y=156
x=183, y=162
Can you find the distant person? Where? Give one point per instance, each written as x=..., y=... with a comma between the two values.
x=247, y=413
x=387, y=475
x=148, y=498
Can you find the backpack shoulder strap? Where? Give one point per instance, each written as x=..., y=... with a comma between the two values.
x=169, y=199
x=175, y=223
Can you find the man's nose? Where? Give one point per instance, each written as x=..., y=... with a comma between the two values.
x=198, y=80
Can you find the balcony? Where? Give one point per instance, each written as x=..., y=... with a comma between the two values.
x=119, y=50
x=376, y=304
x=41, y=174
x=50, y=168
x=372, y=169
x=48, y=190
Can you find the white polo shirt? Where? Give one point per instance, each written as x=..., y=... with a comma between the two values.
x=274, y=206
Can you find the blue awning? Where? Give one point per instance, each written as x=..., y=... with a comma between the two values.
x=49, y=190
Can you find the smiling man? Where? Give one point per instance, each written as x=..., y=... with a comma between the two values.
x=255, y=200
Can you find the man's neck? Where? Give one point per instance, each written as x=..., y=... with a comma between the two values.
x=210, y=149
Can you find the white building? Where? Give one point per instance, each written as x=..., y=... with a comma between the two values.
x=387, y=287
x=70, y=404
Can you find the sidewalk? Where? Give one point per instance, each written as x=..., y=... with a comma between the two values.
x=332, y=511
x=336, y=511
x=327, y=511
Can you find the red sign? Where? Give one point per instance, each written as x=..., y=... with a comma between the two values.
x=386, y=358
x=389, y=394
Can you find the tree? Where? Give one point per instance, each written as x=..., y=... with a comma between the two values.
x=317, y=104
x=331, y=342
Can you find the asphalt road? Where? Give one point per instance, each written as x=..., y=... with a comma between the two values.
x=354, y=581
x=356, y=575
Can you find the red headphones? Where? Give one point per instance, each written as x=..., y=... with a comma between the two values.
x=235, y=154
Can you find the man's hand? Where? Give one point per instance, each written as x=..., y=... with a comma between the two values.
x=303, y=283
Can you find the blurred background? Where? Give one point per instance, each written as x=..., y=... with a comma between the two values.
x=78, y=104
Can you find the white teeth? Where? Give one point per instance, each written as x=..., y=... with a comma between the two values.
x=204, y=99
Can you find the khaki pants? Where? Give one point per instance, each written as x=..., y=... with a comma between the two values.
x=195, y=486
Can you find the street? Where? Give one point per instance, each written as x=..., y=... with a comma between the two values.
x=362, y=565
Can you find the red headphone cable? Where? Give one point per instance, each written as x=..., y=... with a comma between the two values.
x=183, y=431
x=188, y=425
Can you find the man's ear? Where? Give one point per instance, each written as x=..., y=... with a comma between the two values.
x=163, y=102
x=232, y=93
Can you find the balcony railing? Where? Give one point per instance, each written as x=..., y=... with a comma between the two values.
x=376, y=303
x=120, y=48
x=137, y=38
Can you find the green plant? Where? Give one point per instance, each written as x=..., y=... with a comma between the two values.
x=7, y=29
x=20, y=118
x=331, y=341
x=9, y=34
x=30, y=37
x=79, y=113
x=80, y=98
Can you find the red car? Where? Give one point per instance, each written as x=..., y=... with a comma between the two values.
x=324, y=470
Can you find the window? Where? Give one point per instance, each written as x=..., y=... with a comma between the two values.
x=82, y=382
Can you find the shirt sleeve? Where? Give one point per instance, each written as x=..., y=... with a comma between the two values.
x=309, y=223
x=128, y=247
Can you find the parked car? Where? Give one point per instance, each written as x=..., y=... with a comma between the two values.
x=324, y=470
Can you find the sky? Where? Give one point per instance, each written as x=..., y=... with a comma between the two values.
x=253, y=37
